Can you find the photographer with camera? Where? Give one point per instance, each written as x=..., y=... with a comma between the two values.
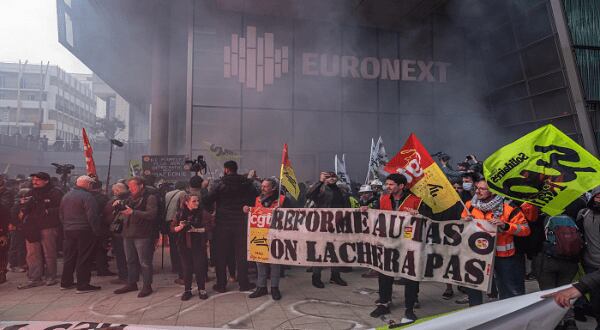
x=79, y=216
x=327, y=194
x=40, y=223
x=114, y=219
x=190, y=226
x=139, y=233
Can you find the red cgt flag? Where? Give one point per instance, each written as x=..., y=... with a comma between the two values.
x=425, y=177
x=90, y=166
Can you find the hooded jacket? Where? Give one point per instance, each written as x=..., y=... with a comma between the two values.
x=228, y=197
x=588, y=221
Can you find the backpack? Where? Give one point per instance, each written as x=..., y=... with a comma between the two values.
x=563, y=238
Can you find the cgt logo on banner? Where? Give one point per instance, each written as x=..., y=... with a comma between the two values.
x=390, y=242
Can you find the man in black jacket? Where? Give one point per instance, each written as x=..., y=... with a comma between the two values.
x=230, y=235
x=40, y=227
x=81, y=224
x=326, y=194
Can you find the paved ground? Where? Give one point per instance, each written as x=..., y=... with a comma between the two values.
x=302, y=306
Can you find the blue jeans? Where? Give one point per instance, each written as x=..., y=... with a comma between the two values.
x=509, y=275
x=139, y=253
x=262, y=275
x=118, y=250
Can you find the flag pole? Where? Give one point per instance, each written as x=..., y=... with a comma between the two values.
x=369, y=166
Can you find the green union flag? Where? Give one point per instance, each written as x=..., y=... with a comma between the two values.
x=545, y=168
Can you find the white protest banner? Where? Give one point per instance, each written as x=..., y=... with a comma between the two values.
x=390, y=242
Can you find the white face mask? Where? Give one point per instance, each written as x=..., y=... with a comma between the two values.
x=467, y=186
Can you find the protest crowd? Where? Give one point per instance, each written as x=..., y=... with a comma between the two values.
x=205, y=224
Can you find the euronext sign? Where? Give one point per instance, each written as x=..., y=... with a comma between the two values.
x=256, y=62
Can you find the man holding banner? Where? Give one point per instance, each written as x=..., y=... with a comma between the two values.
x=509, y=267
x=398, y=198
x=268, y=200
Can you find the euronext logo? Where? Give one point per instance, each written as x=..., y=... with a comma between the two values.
x=256, y=62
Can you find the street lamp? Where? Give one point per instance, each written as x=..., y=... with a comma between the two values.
x=118, y=144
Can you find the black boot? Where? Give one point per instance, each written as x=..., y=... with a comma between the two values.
x=381, y=309
x=275, y=293
x=316, y=282
x=337, y=279
x=259, y=292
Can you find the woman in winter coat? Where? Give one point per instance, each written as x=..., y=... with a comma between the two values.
x=192, y=225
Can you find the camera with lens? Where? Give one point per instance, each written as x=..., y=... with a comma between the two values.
x=441, y=156
x=63, y=169
x=197, y=165
x=121, y=205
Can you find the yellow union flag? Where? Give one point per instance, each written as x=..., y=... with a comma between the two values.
x=545, y=168
x=287, y=177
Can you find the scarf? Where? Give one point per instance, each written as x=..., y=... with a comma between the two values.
x=496, y=205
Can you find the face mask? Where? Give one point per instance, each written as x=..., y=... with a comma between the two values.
x=467, y=185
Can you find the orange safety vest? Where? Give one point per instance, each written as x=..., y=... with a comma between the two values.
x=410, y=202
x=275, y=204
x=505, y=244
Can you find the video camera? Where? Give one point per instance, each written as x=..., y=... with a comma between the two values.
x=197, y=165
x=63, y=169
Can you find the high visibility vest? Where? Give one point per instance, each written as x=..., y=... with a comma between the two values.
x=275, y=204
x=410, y=202
x=505, y=243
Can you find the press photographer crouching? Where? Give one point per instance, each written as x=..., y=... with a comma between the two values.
x=78, y=214
x=139, y=227
x=192, y=225
x=114, y=219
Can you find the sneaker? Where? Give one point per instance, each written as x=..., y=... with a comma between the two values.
x=18, y=270
x=248, y=287
x=145, y=291
x=448, y=294
x=126, y=288
x=317, y=283
x=259, y=292
x=463, y=300
x=68, y=286
x=118, y=281
x=202, y=294
x=51, y=282
x=219, y=289
x=87, y=288
x=275, y=293
x=410, y=315
x=30, y=284
x=187, y=295
x=380, y=310
x=179, y=281
x=338, y=280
